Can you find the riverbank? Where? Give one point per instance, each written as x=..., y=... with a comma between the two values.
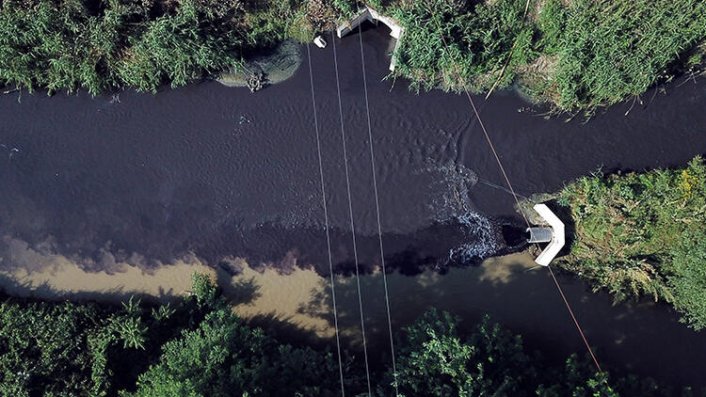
x=539, y=44
x=83, y=348
x=297, y=308
x=102, y=47
x=169, y=346
x=274, y=66
x=550, y=47
x=642, y=234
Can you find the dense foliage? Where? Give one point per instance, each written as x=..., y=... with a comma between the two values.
x=198, y=347
x=644, y=234
x=457, y=44
x=437, y=360
x=577, y=53
x=609, y=50
x=102, y=45
x=53, y=349
x=491, y=361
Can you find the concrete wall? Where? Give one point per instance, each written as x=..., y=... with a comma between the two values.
x=369, y=14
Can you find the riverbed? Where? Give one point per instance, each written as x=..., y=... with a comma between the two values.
x=133, y=184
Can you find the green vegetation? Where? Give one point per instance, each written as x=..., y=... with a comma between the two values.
x=456, y=44
x=435, y=359
x=610, y=50
x=576, y=54
x=198, y=347
x=104, y=45
x=643, y=234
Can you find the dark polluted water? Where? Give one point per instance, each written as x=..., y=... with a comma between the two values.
x=219, y=173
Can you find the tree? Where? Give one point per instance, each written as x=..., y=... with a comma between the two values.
x=49, y=349
x=435, y=360
x=224, y=357
x=640, y=234
x=578, y=379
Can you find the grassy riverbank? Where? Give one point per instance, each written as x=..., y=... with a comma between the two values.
x=643, y=235
x=576, y=54
x=105, y=45
x=198, y=347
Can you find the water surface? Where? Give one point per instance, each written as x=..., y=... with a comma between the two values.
x=216, y=173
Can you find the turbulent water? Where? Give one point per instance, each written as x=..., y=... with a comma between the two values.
x=217, y=173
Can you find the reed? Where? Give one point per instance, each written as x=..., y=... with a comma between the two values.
x=578, y=55
x=643, y=235
x=101, y=46
x=601, y=52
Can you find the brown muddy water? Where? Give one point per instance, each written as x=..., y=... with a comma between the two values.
x=125, y=194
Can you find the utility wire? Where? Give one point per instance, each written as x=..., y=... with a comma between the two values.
x=512, y=190
x=517, y=201
x=377, y=212
x=326, y=224
x=573, y=317
x=350, y=212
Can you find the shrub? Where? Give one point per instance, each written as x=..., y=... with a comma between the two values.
x=643, y=234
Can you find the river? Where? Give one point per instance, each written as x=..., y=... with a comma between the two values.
x=206, y=174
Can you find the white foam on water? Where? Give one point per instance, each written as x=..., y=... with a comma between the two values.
x=481, y=236
x=452, y=186
x=452, y=204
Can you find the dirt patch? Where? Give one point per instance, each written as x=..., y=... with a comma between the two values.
x=536, y=80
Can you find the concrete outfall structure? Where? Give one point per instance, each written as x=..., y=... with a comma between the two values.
x=369, y=14
x=554, y=234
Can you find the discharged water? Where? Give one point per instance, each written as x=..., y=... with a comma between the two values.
x=215, y=173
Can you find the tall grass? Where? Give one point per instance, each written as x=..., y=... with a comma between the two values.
x=578, y=54
x=643, y=235
x=601, y=51
x=610, y=50
x=101, y=45
x=456, y=44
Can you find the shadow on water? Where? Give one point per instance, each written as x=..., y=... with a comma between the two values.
x=245, y=291
x=45, y=290
x=625, y=336
x=297, y=308
x=272, y=246
x=239, y=292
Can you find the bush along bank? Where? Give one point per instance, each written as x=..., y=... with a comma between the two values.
x=575, y=54
x=643, y=234
x=100, y=45
x=198, y=347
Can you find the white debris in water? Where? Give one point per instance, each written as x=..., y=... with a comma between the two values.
x=243, y=120
x=320, y=42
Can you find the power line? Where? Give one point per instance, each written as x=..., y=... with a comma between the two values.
x=326, y=225
x=512, y=190
x=377, y=211
x=517, y=201
x=350, y=212
x=495, y=153
x=573, y=317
